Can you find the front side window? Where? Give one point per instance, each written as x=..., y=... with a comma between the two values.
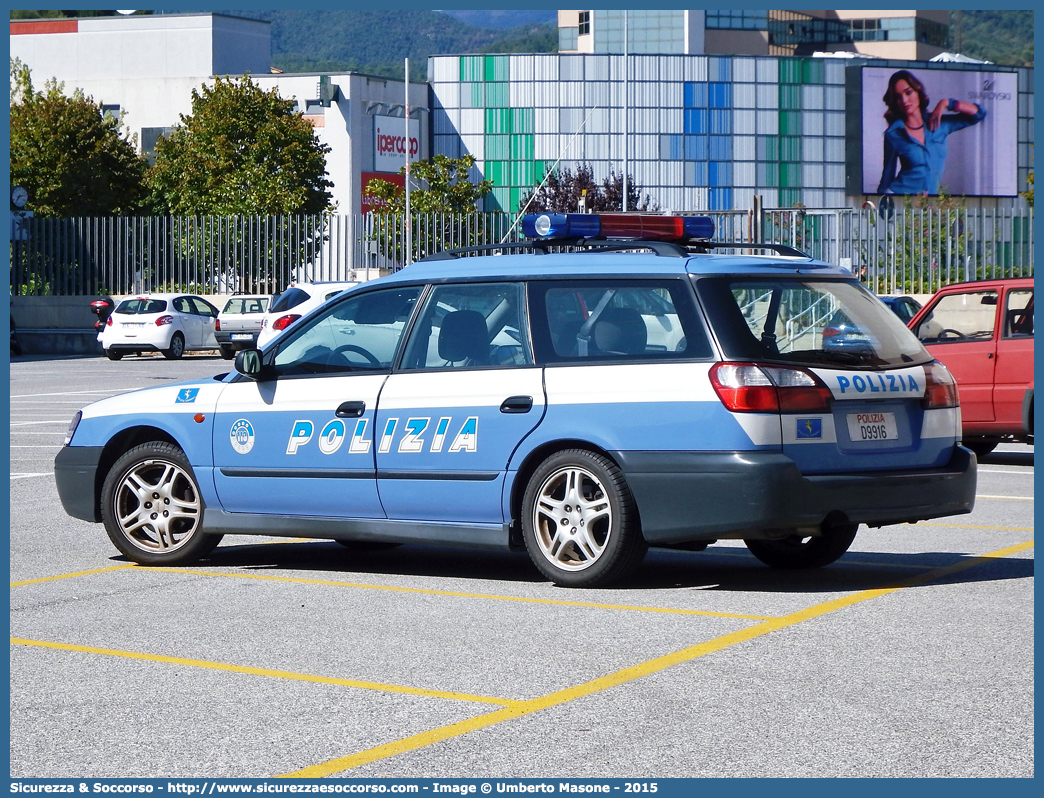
x=1018, y=317
x=967, y=316
x=359, y=334
x=616, y=319
x=471, y=326
x=810, y=322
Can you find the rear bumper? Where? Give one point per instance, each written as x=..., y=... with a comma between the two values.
x=225, y=338
x=76, y=474
x=683, y=496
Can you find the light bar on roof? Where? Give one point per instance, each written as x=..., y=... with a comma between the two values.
x=635, y=226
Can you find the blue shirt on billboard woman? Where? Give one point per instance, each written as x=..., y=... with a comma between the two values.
x=917, y=144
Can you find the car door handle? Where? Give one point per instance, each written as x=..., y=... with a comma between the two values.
x=517, y=404
x=350, y=409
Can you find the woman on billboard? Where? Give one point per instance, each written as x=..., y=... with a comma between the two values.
x=916, y=138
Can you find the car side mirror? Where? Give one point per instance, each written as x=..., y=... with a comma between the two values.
x=249, y=364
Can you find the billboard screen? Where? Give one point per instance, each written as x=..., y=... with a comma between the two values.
x=931, y=131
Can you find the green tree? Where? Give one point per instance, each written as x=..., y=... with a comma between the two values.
x=447, y=188
x=72, y=159
x=242, y=151
x=443, y=201
x=562, y=190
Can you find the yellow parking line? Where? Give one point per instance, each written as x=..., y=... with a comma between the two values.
x=490, y=596
x=274, y=674
x=603, y=683
x=70, y=576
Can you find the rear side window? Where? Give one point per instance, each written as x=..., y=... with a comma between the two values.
x=1018, y=317
x=290, y=298
x=142, y=306
x=809, y=322
x=598, y=320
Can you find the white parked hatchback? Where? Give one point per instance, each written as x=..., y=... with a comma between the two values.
x=169, y=323
x=293, y=303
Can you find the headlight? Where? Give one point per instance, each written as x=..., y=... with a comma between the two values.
x=72, y=427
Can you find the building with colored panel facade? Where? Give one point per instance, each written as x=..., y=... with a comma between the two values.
x=703, y=132
x=901, y=34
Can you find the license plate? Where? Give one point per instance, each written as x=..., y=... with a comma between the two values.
x=872, y=427
x=134, y=324
x=242, y=337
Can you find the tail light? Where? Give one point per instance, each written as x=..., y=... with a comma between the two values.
x=830, y=332
x=940, y=390
x=108, y=322
x=164, y=320
x=217, y=325
x=285, y=321
x=756, y=388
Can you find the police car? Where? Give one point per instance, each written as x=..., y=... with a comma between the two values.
x=609, y=385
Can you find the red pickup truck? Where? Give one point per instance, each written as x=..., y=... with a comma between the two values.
x=983, y=333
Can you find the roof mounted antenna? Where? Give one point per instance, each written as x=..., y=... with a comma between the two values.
x=533, y=196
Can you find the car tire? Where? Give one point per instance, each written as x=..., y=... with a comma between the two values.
x=227, y=352
x=109, y=353
x=797, y=551
x=579, y=520
x=152, y=508
x=176, y=348
x=981, y=448
x=363, y=546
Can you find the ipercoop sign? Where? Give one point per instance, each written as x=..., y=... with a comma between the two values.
x=389, y=142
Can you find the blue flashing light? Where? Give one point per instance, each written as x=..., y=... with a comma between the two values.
x=651, y=227
x=699, y=227
x=560, y=225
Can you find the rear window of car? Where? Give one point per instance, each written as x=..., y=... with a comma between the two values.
x=290, y=298
x=244, y=305
x=811, y=322
x=131, y=306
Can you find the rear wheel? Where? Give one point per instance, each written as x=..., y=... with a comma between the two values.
x=803, y=551
x=579, y=521
x=113, y=355
x=177, y=347
x=227, y=352
x=152, y=508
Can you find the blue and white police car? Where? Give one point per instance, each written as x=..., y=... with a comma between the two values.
x=609, y=385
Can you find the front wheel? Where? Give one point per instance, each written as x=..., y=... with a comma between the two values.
x=803, y=551
x=177, y=347
x=152, y=508
x=579, y=521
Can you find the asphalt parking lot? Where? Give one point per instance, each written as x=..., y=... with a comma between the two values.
x=912, y=656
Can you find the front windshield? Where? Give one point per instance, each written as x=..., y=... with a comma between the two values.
x=812, y=322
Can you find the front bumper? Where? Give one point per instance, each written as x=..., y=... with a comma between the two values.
x=686, y=496
x=76, y=475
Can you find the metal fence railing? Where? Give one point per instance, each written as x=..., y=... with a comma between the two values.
x=913, y=250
